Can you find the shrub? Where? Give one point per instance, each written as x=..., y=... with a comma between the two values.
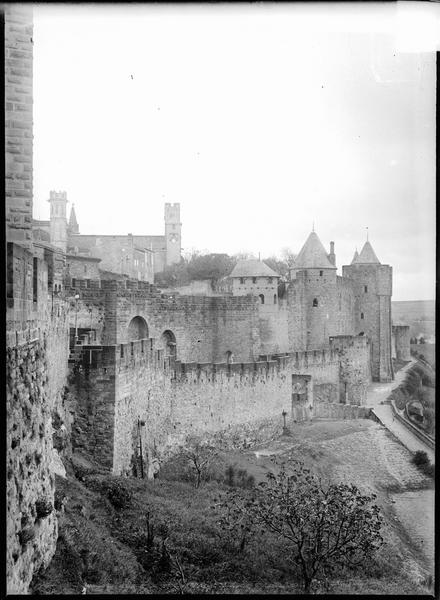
x=43, y=508
x=239, y=478
x=420, y=458
x=26, y=535
x=428, y=469
x=117, y=493
x=59, y=499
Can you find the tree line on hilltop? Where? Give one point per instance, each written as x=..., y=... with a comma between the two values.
x=197, y=265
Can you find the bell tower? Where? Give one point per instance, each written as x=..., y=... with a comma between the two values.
x=58, y=220
x=173, y=228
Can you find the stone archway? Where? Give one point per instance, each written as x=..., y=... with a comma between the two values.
x=137, y=329
x=168, y=343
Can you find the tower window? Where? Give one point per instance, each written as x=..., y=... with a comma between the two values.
x=315, y=302
x=261, y=296
x=269, y=280
x=241, y=279
x=362, y=315
x=321, y=273
x=254, y=280
x=35, y=280
x=274, y=298
x=365, y=288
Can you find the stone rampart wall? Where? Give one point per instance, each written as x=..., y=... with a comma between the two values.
x=36, y=370
x=177, y=400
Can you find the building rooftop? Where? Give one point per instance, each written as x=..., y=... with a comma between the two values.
x=313, y=255
x=252, y=268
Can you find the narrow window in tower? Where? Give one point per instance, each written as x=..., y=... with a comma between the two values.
x=261, y=296
x=365, y=288
x=321, y=273
x=254, y=280
x=274, y=298
x=241, y=279
x=35, y=280
x=315, y=302
x=362, y=315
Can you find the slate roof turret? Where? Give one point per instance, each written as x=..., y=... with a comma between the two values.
x=313, y=255
x=367, y=255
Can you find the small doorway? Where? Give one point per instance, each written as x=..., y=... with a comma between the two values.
x=300, y=390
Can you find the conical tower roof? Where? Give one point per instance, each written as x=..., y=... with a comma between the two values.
x=73, y=223
x=367, y=255
x=313, y=255
x=355, y=257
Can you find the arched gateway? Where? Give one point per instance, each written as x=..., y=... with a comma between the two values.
x=137, y=329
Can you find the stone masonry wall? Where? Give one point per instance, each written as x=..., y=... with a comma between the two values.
x=36, y=376
x=92, y=384
x=176, y=400
x=355, y=368
x=205, y=328
x=18, y=122
x=401, y=342
x=273, y=327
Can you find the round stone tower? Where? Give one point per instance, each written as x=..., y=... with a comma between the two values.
x=315, y=272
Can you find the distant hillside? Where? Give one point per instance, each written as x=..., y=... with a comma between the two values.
x=418, y=314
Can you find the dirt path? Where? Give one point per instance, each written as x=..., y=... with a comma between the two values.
x=376, y=395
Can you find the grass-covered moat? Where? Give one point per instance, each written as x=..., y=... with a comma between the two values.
x=120, y=535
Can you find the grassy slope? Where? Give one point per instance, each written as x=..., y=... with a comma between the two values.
x=428, y=351
x=102, y=546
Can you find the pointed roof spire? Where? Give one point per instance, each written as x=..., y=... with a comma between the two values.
x=73, y=223
x=355, y=257
x=313, y=255
x=367, y=255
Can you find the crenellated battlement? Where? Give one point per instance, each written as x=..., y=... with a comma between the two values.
x=268, y=366
x=53, y=195
x=340, y=342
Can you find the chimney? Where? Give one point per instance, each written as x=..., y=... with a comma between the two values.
x=331, y=256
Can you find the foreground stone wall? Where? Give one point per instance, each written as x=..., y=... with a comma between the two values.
x=18, y=122
x=36, y=375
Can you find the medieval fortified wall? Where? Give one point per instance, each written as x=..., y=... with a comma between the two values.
x=108, y=359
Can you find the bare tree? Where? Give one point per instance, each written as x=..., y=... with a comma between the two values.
x=200, y=456
x=325, y=527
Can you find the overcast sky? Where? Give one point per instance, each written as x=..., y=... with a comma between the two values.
x=258, y=119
